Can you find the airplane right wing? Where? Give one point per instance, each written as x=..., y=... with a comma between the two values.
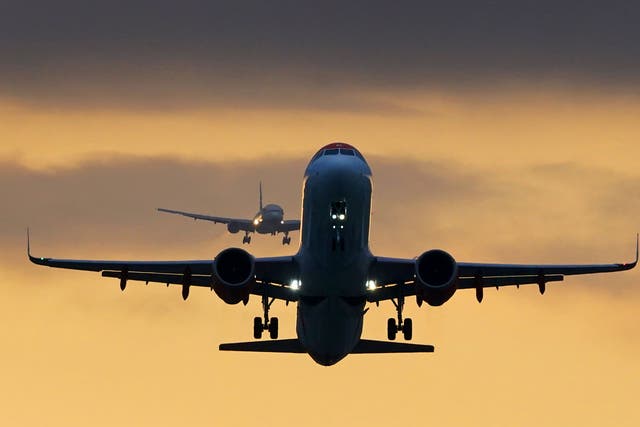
x=242, y=223
x=273, y=275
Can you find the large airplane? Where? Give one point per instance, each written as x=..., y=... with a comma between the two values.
x=268, y=220
x=333, y=275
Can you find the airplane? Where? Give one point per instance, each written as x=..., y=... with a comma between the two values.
x=268, y=220
x=333, y=275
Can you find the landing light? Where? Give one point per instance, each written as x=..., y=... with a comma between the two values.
x=256, y=222
x=334, y=216
x=341, y=217
x=371, y=285
x=295, y=284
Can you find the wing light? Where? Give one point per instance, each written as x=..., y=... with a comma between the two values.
x=371, y=285
x=295, y=284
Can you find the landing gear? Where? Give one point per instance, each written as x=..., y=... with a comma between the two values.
x=257, y=327
x=392, y=329
x=407, y=329
x=246, y=239
x=393, y=326
x=266, y=324
x=286, y=239
x=273, y=328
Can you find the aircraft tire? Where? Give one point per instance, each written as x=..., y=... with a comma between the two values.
x=273, y=328
x=407, y=329
x=392, y=329
x=257, y=327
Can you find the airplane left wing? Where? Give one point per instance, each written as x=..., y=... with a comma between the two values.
x=289, y=225
x=396, y=276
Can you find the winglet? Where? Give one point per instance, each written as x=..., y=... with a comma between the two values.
x=41, y=261
x=629, y=266
x=260, y=195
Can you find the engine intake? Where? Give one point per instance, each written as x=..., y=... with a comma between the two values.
x=436, y=274
x=233, y=275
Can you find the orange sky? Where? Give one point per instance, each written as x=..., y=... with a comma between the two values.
x=522, y=176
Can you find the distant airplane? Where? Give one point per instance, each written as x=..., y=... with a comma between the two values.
x=334, y=274
x=268, y=220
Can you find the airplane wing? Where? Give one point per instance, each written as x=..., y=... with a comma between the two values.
x=289, y=225
x=242, y=223
x=272, y=274
x=396, y=276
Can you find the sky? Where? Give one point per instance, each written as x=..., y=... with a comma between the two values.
x=498, y=131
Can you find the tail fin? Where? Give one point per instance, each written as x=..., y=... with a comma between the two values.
x=260, y=196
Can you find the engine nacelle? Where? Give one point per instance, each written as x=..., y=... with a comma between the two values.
x=233, y=275
x=233, y=227
x=436, y=276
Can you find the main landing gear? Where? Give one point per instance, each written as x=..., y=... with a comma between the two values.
x=247, y=238
x=270, y=325
x=286, y=239
x=405, y=326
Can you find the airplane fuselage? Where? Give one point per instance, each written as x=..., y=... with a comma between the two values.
x=333, y=274
x=268, y=219
x=334, y=256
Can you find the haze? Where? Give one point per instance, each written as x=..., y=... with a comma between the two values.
x=498, y=132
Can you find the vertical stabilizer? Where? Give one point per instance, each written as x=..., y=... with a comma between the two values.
x=260, y=196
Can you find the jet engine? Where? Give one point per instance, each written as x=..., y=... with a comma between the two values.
x=436, y=276
x=233, y=275
x=233, y=227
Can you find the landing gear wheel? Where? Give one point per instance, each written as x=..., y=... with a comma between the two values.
x=257, y=327
x=407, y=329
x=392, y=328
x=273, y=328
x=286, y=240
x=264, y=323
x=246, y=239
x=406, y=326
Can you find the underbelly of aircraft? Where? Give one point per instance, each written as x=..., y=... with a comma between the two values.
x=329, y=327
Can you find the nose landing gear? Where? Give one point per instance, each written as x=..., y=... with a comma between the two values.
x=260, y=325
x=247, y=238
x=405, y=326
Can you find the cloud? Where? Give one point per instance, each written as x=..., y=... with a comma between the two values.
x=329, y=55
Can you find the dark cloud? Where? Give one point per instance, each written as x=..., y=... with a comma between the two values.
x=310, y=54
x=550, y=213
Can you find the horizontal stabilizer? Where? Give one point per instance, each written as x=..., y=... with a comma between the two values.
x=294, y=346
x=272, y=346
x=371, y=346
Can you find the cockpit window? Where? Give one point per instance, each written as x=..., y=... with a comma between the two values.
x=347, y=151
x=330, y=151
